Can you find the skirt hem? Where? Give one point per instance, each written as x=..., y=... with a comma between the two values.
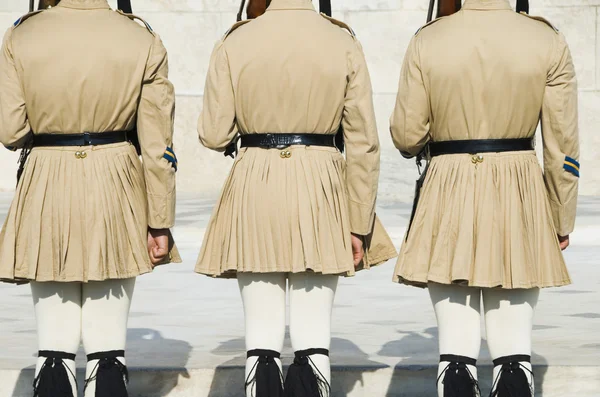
x=379, y=259
x=24, y=279
x=232, y=272
x=422, y=281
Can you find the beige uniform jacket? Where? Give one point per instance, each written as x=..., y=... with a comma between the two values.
x=307, y=83
x=488, y=73
x=46, y=86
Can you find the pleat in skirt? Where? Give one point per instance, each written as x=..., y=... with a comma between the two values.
x=485, y=224
x=77, y=219
x=286, y=214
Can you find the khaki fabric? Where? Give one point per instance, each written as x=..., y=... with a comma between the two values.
x=82, y=67
x=487, y=72
x=291, y=71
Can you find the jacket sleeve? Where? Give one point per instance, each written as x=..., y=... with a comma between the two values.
x=561, y=138
x=362, y=145
x=155, y=132
x=217, y=125
x=14, y=125
x=409, y=124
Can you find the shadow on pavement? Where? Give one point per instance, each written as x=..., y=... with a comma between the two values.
x=145, y=348
x=411, y=348
x=23, y=385
x=228, y=380
x=419, y=349
x=149, y=350
x=344, y=381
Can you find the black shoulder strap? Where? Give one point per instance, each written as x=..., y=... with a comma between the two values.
x=125, y=6
x=325, y=7
x=523, y=6
x=240, y=13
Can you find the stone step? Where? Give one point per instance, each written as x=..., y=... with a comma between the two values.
x=348, y=381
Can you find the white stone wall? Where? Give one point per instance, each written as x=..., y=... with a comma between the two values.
x=189, y=29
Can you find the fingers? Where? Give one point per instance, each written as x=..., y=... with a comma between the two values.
x=358, y=257
x=153, y=257
x=156, y=256
x=564, y=242
x=151, y=245
x=160, y=250
x=158, y=246
x=162, y=246
x=357, y=250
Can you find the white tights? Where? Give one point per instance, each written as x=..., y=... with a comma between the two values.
x=508, y=322
x=311, y=302
x=95, y=312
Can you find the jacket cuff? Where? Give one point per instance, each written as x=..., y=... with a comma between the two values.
x=564, y=216
x=361, y=218
x=161, y=211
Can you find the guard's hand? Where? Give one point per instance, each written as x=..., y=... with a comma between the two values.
x=357, y=249
x=158, y=245
x=564, y=242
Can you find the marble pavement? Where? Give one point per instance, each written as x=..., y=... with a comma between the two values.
x=186, y=331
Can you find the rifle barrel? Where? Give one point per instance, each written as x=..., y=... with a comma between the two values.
x=240, y=14
x=430, y=11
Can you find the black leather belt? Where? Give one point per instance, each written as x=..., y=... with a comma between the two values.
x=278, y=141
x=85, y=139
x=474, y=146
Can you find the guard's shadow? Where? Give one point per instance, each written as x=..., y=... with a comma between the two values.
x=146, y=349
x=149, y=351
x=344, y=381
x=228, y=380
x=421, y=349
x=23, y=385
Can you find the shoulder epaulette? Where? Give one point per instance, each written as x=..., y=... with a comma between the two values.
x=19, y=21
x=341, y=24
x=428, y=24
x=541, y=19
x=136, y=18
x=235, y=26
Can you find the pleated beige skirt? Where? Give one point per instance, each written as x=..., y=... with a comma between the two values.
x=286, y=215
x=483, y=225
x=77, y=219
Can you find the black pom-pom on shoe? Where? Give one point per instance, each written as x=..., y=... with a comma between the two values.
x=304, y=379
x=110, y=374
x=53, y=378
x=458, y=380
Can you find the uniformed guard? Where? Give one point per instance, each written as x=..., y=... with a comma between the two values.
x=293, y=207
x=489, y=222
x=76, y=81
